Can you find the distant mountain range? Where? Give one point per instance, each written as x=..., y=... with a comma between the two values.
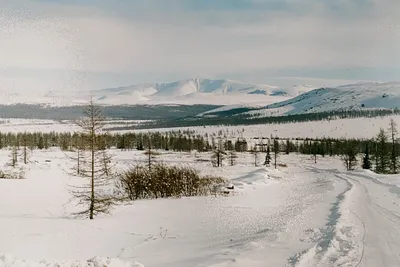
x=257, y=100
x=191, y=91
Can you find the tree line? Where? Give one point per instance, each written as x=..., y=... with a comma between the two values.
x=384, y=146
x=380, y=154
x=232, y=118
x=173, y=140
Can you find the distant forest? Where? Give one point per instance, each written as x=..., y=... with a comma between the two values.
x=245, y=119
x=126, y=112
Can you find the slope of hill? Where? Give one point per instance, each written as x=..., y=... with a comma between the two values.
x=359, y=96
x=278, y=95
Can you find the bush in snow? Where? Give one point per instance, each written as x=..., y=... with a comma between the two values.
x=162, y=181
x=12, y=174
x=7, y=260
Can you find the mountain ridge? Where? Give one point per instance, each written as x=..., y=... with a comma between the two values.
x=188, y=91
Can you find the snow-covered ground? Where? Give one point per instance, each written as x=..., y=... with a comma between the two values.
x=304, y=214
x=341, y=128
x=36, y=125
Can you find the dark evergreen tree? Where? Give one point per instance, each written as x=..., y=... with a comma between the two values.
x=350, y=155
x=139, y=145
x=40, y=144
x=241, y=145
x=121, y=143
x=314, y=151
x=393, y=150
x=276, y=151
x=288, y=145
x=382, y=153
x=366, y=159
x=267, y=157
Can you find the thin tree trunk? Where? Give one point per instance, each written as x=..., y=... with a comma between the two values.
x=149, y=155
x=25, y=156
x=105, y=159
x=394, y=158
x=92, y=165
x=79, y=161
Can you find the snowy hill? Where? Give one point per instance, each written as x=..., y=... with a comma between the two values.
x=191, y=91
x=365, y=95
x=276, y=94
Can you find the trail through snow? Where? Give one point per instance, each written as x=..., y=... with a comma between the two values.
x=367, y=231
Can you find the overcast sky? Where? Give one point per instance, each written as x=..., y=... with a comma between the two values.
x=89, y=44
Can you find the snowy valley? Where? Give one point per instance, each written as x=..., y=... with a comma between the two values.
x=301, y=213
x=289, y=193
x=199, y=133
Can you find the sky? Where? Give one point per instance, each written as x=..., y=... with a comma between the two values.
x=93, y=44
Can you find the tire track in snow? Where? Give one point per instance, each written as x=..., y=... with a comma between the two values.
x=381, y=219
x=317, y=252
x=363, y=239
x=368, y=232
x=364, y=228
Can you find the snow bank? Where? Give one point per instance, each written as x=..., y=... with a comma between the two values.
x=9, y=261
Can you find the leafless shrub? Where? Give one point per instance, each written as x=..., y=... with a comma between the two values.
x=163, y=181
x=12, y=174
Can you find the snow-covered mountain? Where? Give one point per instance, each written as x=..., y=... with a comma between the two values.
x=191, y=91
x=299, y=89
x=264, y=100
x=363, y=95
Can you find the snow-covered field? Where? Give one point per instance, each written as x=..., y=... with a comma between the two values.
x=45, y=126
x=342, y=128
x=304, y=214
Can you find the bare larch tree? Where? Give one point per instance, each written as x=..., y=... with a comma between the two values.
x=95, y=195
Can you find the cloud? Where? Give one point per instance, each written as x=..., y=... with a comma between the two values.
x=29, y=40
x=182, y=38
x=213, y=41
